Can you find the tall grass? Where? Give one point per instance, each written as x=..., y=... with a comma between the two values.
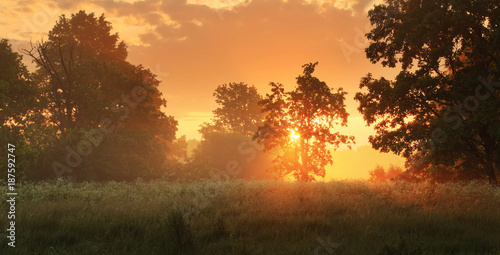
x=254, y=217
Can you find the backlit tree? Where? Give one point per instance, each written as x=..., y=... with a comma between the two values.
x=298, y=126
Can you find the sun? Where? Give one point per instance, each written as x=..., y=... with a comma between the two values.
x=294, y=135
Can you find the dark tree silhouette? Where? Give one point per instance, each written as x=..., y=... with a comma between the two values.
x=298, y=125
x=88, y=91
x=17, y=108
x=15, y=87
x=442, y=112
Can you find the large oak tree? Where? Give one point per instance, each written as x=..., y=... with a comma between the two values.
x=442, y=111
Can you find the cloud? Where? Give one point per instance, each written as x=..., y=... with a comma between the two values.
x=202, y=44
x=362, y=5
x=255, y=42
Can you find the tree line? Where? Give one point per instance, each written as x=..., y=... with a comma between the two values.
x=89, y=114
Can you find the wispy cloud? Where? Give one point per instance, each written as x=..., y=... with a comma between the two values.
x=202, y=44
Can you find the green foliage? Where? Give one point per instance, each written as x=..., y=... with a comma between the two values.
x=226, y=146
x=260, y=217
x=16, y=108
x=192, y=170
x=219, y=229
x=400, y=249
x=300, y=123
x=16, y=90
x=180, y=232
x=98, y=117
x=239, y=110
x=441, y=111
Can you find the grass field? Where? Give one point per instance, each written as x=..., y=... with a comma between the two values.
x=254, y=217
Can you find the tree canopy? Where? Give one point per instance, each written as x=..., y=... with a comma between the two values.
x=238, y=111
x=16, y=107
x=298, y=125
x=442, y=111
x=100, y=114
x=226, y=147
x=15, y=89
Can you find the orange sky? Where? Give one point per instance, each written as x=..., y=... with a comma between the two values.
x=196, y=45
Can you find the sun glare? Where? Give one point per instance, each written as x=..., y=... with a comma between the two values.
x=294, y=136
x=320, y=120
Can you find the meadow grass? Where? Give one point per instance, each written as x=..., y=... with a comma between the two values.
x=254, y=217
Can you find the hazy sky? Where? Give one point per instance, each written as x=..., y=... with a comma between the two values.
x=194, y=46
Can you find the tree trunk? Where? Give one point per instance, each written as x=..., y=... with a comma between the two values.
x=492, y=170
x=304, y=173
x=495, y=174
x=490, y=147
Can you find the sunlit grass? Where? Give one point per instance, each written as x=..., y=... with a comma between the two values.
x=258, y=217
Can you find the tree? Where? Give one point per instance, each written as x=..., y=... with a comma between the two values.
x=442, y=110
x=104, y=112
x=72, y=67
x=16, y=107
x=380, y=175
x=239, y=110
x=15, y=88
x=298, y=125
x=232, y=155
x=226, y=146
